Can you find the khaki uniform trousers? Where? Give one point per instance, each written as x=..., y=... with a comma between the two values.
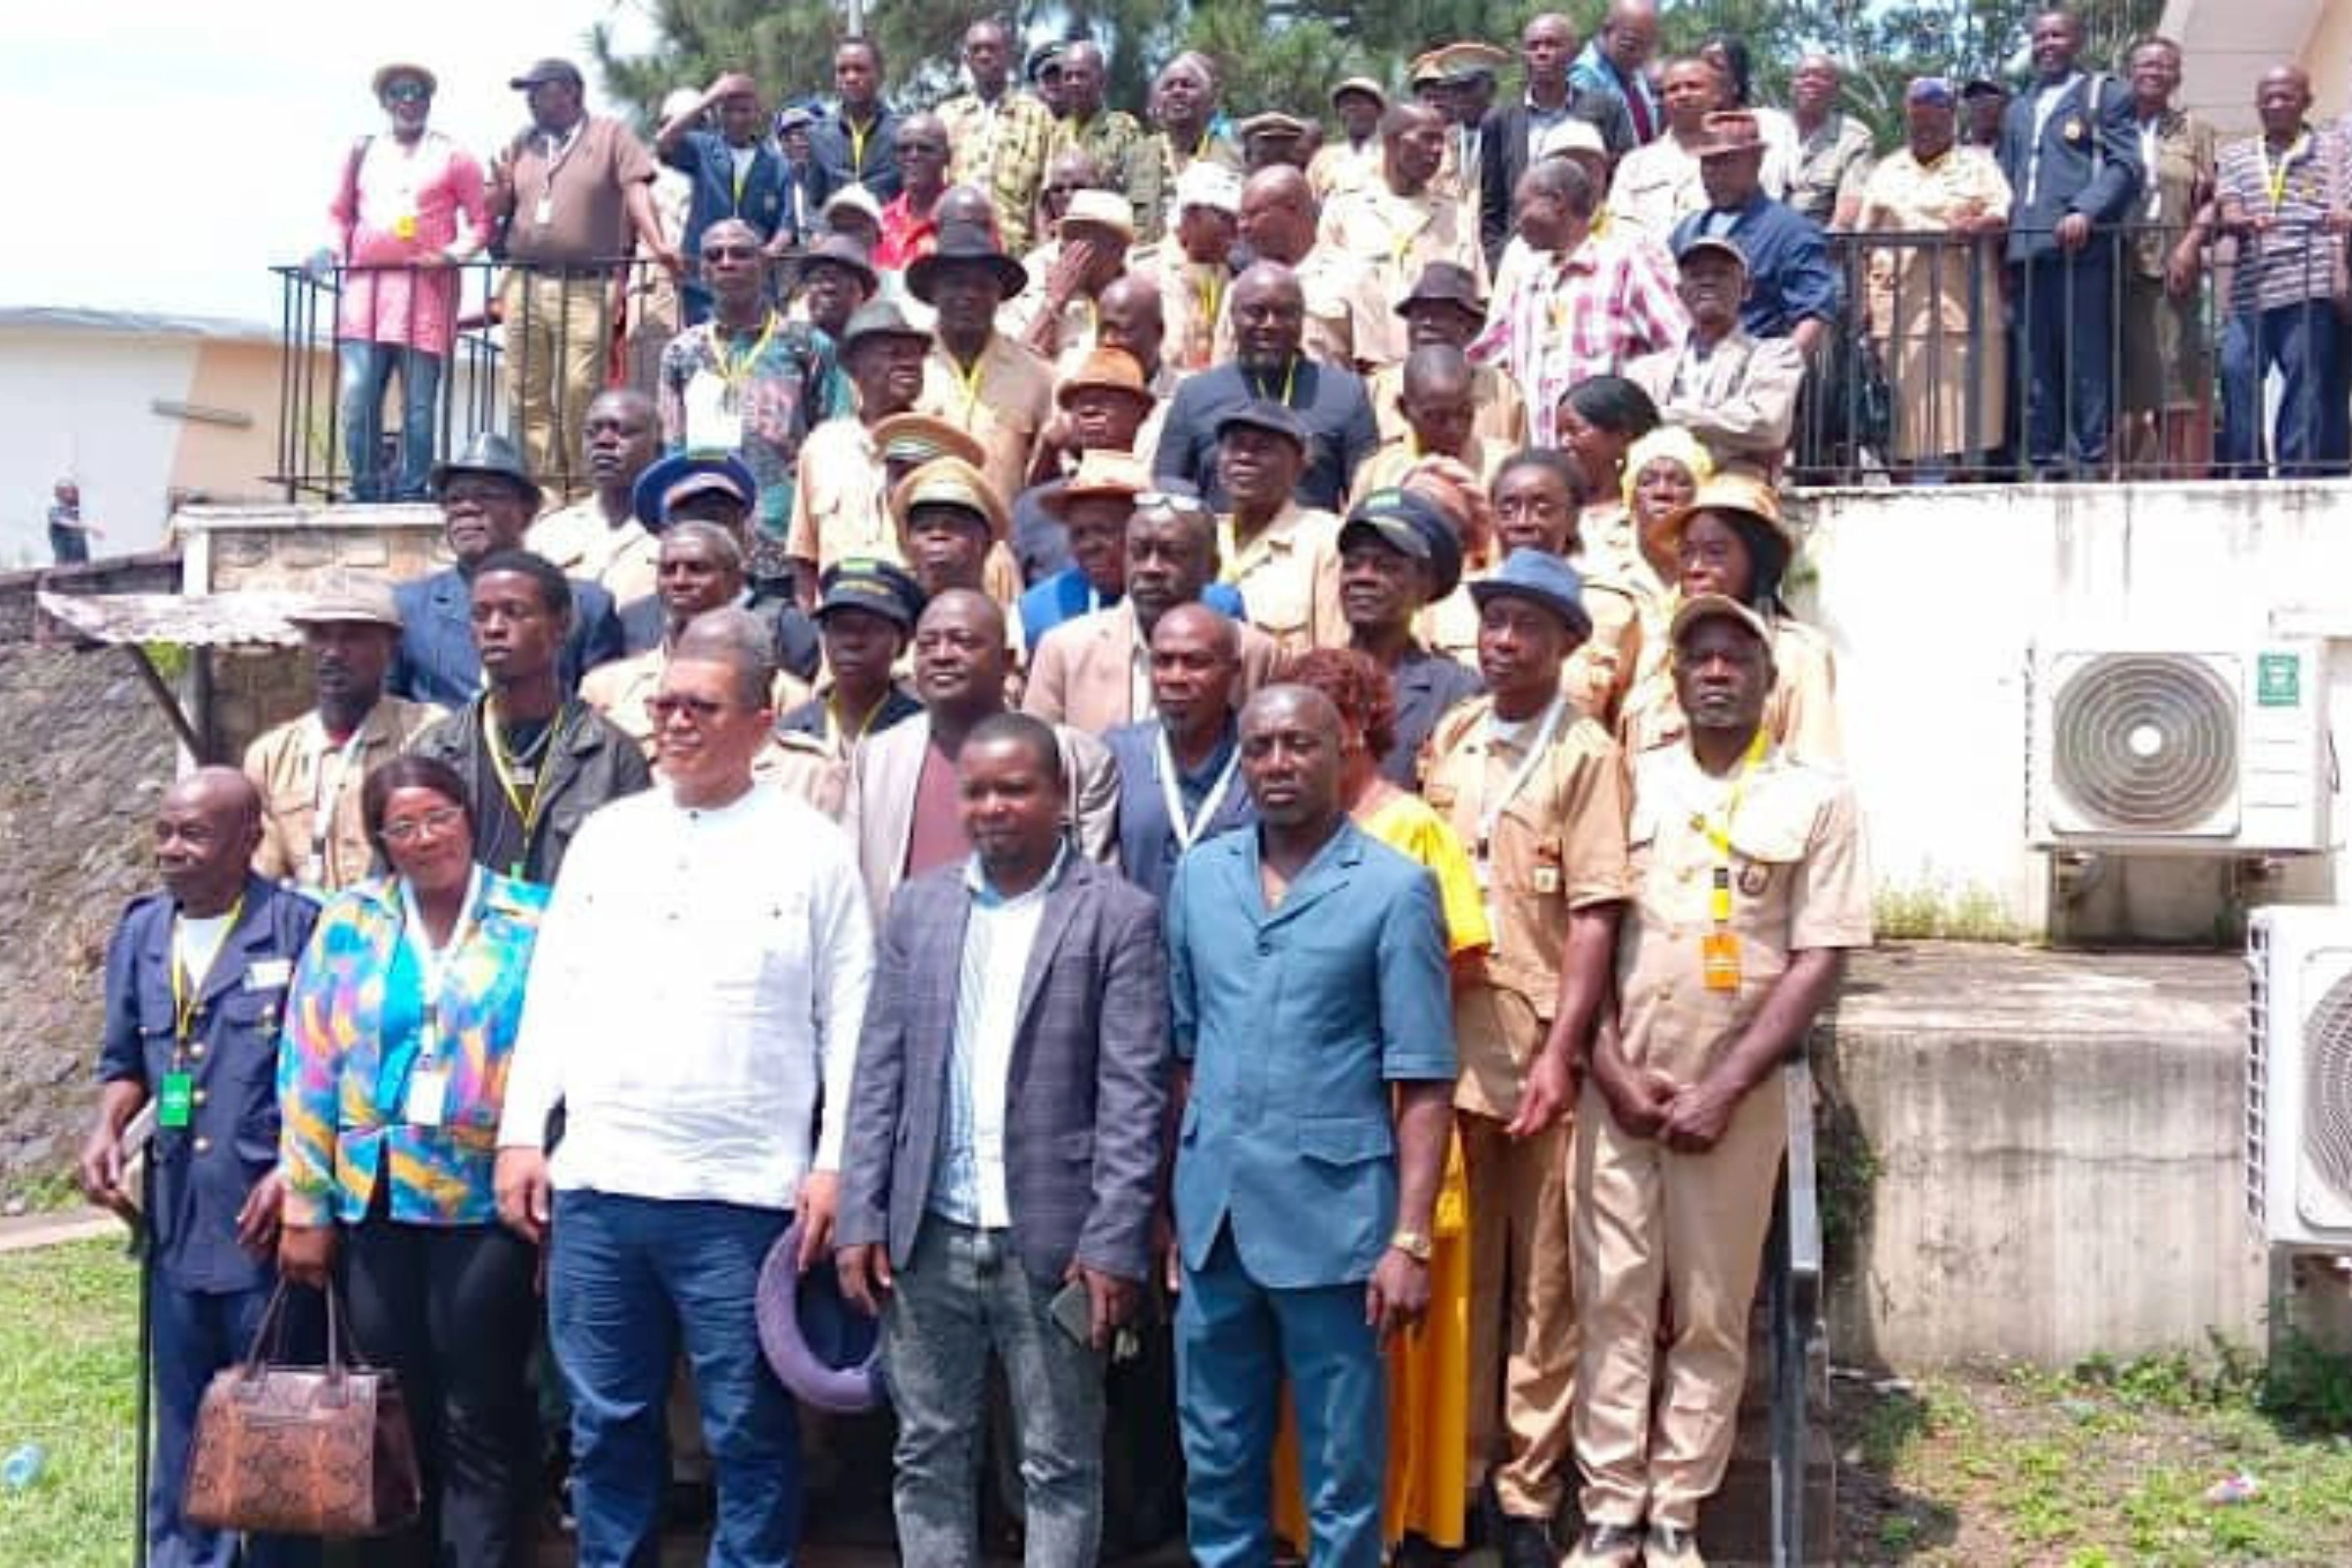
x=1523, y=1327
x=558, y=331
x=1650, y=1224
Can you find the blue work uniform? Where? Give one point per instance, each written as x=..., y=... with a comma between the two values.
x=208, y=1293
x=1297, y=1023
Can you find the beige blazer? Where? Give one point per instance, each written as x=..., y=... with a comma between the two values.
x=878, y=810
x=1085, y=673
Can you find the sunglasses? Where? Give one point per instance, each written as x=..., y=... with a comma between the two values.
x=1170, y=500
x=407, y=92
x=699, y=710
x=730, y=253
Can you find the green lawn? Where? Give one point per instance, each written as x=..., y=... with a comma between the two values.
x=69, y=1345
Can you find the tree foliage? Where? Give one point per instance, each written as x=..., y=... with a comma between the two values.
x=1285, y=54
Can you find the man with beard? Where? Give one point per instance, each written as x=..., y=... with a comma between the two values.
x=600, y=538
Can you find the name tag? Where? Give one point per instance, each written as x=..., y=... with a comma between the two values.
x=405, y=227
x=268, y=974
x=174, y=1099
x=544, y=213
x=1719, y=960
x=428, y=1096
x=713, y=414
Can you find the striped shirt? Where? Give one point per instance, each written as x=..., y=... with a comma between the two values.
x=2297, y=260
x=1564, y=321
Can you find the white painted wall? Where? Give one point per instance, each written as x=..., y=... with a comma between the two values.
x=1934, y=596
x=79, y=403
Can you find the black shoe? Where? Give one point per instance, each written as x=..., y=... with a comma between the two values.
x=1608, y=1546
x=1527, y=1544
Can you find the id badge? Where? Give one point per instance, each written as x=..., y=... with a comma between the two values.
x=405, y=227
x=713, y=414
x=176, y=1100
x=428, y=1096
x=1719, y=960
x=544, y=213
x=1546, y=880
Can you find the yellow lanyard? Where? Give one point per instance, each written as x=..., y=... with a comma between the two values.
x=526, y=810
x=1289, y=380
x=840, y=732
x=857, y=150
x=187, y=990
x=1718, y=830
x=1212, y=297
x=2273, y=177
x=970, y=380
x=735, y=371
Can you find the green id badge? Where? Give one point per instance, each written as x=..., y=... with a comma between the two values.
x=176, y=1099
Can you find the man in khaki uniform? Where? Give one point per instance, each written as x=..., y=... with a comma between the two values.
x=996, y=390
x=1283, y=558
x=598, y=538
x=1538, y=793
x=309, y=769
x=1395, y=229
x=1750, y=884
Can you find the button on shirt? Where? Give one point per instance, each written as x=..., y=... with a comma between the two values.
x=701, y=977
x=998, y=934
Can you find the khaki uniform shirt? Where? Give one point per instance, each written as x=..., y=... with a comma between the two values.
x=1288, y=577
x=1339, y=168
x=297, y=772
x=1556, y=845
x=1656, y=187
x=623, y=560
x=1740, y=399
x=1501, y=421
x=842, y=508
x=1192, y=304
x=1002, y=406
x=800, y=766
x=1831, y=166
x=1799, y=881
x=1389, y=463
x=1393, y=238
x=1128, y=156
x=1800, y=715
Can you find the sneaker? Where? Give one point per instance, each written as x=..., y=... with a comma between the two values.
x=1669, y=1546
x=1527, y=1544
x=1603, y=1545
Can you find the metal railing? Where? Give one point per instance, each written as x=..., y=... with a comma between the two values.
x=1792, y=1268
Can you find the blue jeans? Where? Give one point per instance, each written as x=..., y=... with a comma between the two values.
x=1236, y=1339
x=367, y=371
x=628, y=1279
x=197, y=1333
x=963, y=1294
x=2305, y=342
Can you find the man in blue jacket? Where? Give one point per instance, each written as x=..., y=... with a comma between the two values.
x=2071, y=150
x=196, y=980
x=737, y=172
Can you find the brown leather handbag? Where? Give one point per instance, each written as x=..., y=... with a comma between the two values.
x=302, y=1450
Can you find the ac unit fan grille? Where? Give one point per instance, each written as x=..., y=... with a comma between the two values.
x=2328, y=1089
x=2146, y=742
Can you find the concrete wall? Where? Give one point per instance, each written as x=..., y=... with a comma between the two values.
x=1933, y=598
x=2225, y=46
x=78, y=403
x=2035, y=1156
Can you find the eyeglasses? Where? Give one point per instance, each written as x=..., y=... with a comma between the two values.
x=407, y=92
x=730, y=253
x=699, y=710
x=1169, y=501
x=408, y=829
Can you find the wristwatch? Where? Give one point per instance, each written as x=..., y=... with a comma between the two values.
x=1412, y=1243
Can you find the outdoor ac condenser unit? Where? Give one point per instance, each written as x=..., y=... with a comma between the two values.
x=2300, y=1076
x=2178, y=750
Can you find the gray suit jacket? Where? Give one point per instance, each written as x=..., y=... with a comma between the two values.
x=1088, y=1090
x=879, y=811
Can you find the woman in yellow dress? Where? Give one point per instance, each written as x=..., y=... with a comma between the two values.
x=1428, y=1490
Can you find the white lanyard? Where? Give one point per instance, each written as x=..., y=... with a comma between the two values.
x=324, y=799
x=1490, y=813
x=433, y=964
x=1187, y=831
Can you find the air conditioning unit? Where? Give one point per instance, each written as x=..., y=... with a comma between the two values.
x=2300, y=1076
x=2178, y=750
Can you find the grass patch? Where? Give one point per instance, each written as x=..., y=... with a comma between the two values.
x=69, y=1380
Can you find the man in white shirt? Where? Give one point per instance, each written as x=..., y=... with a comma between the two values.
x=699, y=982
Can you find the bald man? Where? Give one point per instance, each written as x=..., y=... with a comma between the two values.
x=1617, y=61
x=196, y=980
x=598, y=538
x=1127, y=155
x=1179, y=778
x=1437, y=398
x=1278, y=219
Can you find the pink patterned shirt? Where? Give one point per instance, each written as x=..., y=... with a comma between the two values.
x=1560, y=322
x=394, y=205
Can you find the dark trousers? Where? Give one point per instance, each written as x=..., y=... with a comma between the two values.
x=629, y=1281
x=452, y=1309
x=198, y=1334
x=2305, y=343
x=2065, y=311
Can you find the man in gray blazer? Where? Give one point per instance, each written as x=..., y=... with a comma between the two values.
x=1003, y=1153
x=900, y=808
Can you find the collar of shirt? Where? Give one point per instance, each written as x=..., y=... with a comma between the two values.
x=1197, y=780
x=986, y=897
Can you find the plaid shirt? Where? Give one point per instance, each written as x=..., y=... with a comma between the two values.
x=782, y=390
x=1002, y=150
x=2298, y=260
x=1564, y=321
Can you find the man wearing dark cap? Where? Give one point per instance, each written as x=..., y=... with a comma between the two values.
x=396, y=224
x=309, y=769
x=1447, y=307
x=1537, y=794
x=857, y=144
x=1519, y=133
x=736, y=173
x=842, y=508
x=572, y=191
x=1793, y=290
x=1043, y=72
x=599, y=537
x=1398, y=554
x=976, y=379
x=1324, y=402
x=1283, y=558
x=487, y=499
x=1735, y=392
x=1000, y=133
x=1983, y=102
x=865, y=619
x=1747, y=895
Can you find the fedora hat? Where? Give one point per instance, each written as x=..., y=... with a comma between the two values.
x=347, y=599
x=1102, y=209
x=488, y=452
x=1731, y=132
x=1540, y=578
x=389, y=72
x=1100, y=476
x=1106, y=370
x=1738, y=491
x=968, y=245
x=843, y=252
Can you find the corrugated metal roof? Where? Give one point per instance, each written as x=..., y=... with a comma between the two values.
x=133, y=324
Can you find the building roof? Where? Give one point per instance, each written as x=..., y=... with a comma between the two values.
x=135, y=324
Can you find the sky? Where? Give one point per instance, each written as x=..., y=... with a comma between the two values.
x=218, y=133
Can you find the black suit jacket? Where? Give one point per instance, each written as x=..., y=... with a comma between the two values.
x=2089, y=163
x=1503, y=144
